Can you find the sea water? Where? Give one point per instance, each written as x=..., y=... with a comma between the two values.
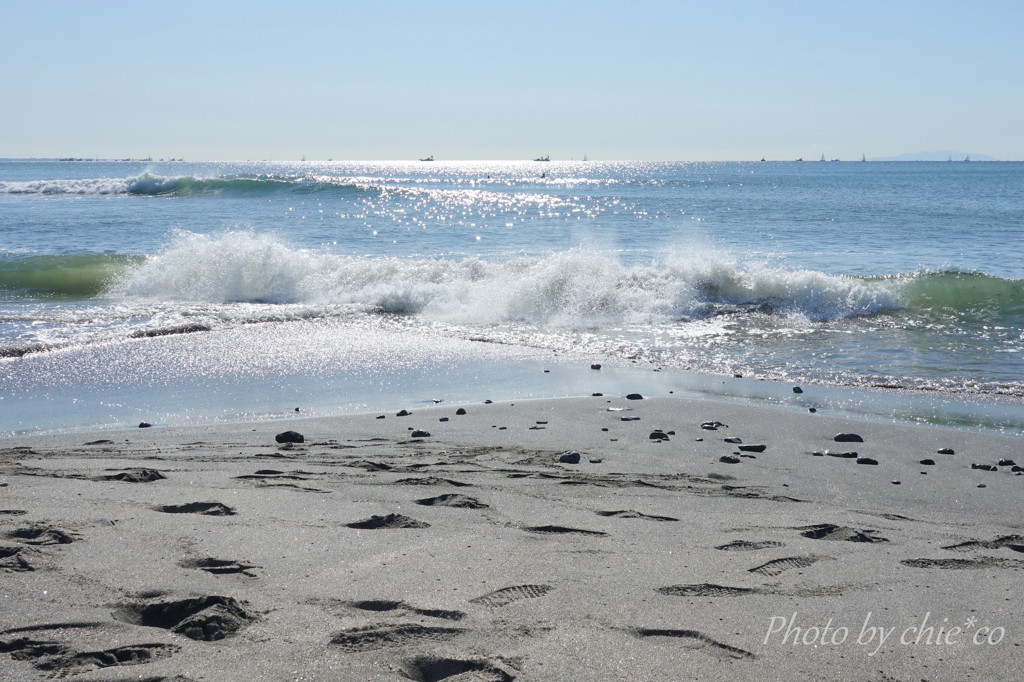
x=184, y=293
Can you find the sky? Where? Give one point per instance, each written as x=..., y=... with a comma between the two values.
x=510, y=80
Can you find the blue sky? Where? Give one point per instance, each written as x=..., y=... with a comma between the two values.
x=510, y=80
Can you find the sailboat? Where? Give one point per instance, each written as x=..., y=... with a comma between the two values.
x=584, y=156
x=822, y=157
x=863, y=157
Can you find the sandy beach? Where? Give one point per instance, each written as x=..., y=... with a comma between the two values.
x=373, y=552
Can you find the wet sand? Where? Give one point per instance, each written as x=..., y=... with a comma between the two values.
x=474, y=553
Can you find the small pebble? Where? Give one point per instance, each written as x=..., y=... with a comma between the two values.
x=946, y=451
x=443, y=419
x=595, y=460
x=895, y=482
x=797, y=389
x=982, y=485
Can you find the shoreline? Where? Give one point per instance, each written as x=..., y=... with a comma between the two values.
x=529, y=375
x=367, y=553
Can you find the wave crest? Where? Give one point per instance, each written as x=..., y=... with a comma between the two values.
x=147, y=184
x=570, y=288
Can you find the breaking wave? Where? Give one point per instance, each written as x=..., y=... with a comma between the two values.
x=156, y=185
x=570, y=288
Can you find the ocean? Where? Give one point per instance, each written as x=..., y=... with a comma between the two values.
x=197, y=293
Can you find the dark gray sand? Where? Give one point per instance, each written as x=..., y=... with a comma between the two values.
x=362, y=553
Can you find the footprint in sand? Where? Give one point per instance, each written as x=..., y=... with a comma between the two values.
x=508, y=595
x=388, y=521
x=208, y=618
x=427, y=669
x=207, y=508
x=698, y=640
x=779, y=565
x=381, y=635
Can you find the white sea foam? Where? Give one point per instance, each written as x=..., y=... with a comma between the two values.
x=577, y=287
x=74, y=186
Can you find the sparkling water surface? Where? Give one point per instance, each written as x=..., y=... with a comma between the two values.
x=833, y=275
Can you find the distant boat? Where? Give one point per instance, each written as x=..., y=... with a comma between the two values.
x=863, y=157
x=303, y=157
x=762, y=158
x=543, y=158
x=968, y=158
x=822, y=157
x=429, y=158
x=584, y=156
x=800, y=159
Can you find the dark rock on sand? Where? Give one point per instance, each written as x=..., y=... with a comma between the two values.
x=144, y=425
x=595, y=366
x=290, y=437
x=1017, y=469
x=1006, y=463
x=403, y=413
x=946, y=451
x=569, y=458
x=927, y=462
x=634, y=396
x=733, y=440
x=848, y=438
x=658, y=435
x=725, y=459
x=488, y=402
x=797, y=389
x=753, y=448
x=866, y=460
x=380, y=416
x=597, y=395
x=420, y=434
x=984, y=467
x=712, y=426
x=443, y=419
x=812, y=410
x=461, y=411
